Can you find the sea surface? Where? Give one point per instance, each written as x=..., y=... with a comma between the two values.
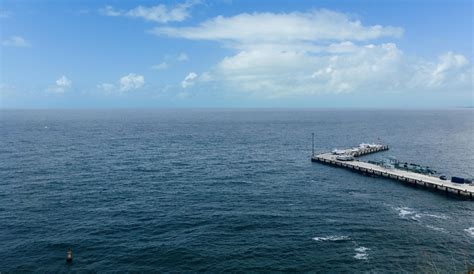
x=228, y=190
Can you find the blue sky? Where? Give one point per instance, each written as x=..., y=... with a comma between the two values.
x=107, y=54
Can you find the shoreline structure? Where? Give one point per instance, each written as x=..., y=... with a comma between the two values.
x=346, y=158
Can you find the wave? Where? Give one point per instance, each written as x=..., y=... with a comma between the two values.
x=361, y=253
x=331, y=238
x=436, y=228
x=406, y=212
x=410, y=213
x=436, y=216
x=470, y=231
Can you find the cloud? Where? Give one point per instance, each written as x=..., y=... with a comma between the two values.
x=182, y=57
x=365, y=68
x=447, y=63
x=106, y=87
x=131, y=81
x=16, y=41
x=124, y=84
x=281, y=28
x=189, y=80
x=316, y=52
x=61, y=85
x=161, y=66
x=450, y=71
x=159, y=13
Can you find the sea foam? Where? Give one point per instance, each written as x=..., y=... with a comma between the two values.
x=333, y=238
x=410, y=213
x=361, y=253
x=470, y=231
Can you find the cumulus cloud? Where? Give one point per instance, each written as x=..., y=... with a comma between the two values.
x=322, y=51
x=363, y=68
x=16, y=41
x=160, y=66
x=126, y=83
x=131, y=81
x=61, y=85
x=189, y=80
x=159, y=13
x=447, y=64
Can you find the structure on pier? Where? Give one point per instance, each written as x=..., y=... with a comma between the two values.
x=339, y=158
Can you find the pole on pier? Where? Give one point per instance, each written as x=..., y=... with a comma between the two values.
x=312, y=135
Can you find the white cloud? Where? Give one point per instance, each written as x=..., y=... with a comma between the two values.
x=106, y=87
x=189, y=80
x=451, y=71
x=258, y=28
x=159, y=13
x=16, y=41
x=364, y=68
x=61, y=85
x=63, y=82
x=447, y=64
x=125, y=83
x=161, y=66
x=316, y=52
x=131, y=81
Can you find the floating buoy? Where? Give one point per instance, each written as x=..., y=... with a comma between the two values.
x=69, y=256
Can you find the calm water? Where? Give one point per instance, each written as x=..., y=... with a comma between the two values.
x=217, y=190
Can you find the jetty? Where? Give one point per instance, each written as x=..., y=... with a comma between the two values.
x=347, y=159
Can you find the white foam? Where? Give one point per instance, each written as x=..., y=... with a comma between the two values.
x=361, y=253
x=436, y=228
x=470, y=231
x=436, y=216
x=404, y=211
x=415, y=217
x=409, y=213
x=331, y=238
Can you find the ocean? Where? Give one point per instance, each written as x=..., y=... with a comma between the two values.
x=229, y=190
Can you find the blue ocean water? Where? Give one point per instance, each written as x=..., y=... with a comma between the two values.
x=228, y=190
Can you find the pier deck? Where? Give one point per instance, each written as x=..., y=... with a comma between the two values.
x=417, y=179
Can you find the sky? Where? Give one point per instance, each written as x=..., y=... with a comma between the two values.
x=229, y=53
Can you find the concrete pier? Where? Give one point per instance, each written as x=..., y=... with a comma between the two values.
x=413, y=178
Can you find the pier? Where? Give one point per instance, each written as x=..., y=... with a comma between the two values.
x=416, y=179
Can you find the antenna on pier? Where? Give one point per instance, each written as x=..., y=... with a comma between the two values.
x=312, y=138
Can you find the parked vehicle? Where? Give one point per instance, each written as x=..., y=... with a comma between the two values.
x=457, y=180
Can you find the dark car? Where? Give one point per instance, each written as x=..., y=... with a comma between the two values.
x=442, y=177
